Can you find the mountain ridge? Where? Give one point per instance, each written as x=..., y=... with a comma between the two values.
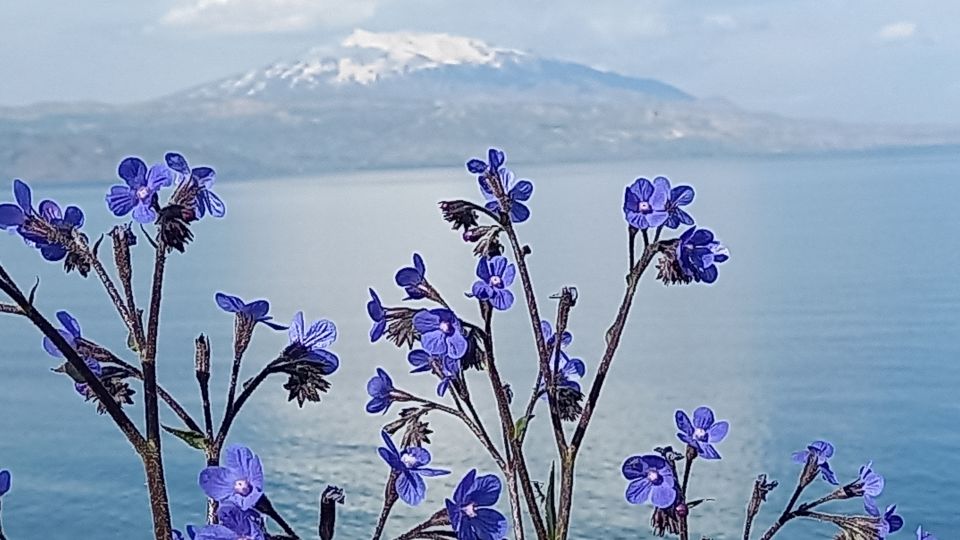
x=402, y=99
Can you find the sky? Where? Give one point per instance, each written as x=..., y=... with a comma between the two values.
x=885, y=61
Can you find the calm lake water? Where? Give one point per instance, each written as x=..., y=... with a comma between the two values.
x=837, y=317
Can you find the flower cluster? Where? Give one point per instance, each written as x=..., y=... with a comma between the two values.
x=52, y=231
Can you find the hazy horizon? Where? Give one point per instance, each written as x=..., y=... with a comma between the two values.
x=857, y=61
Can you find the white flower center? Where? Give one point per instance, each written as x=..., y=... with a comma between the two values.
x=445, y=327
x=644, y=206
x=143, y=192
x=470, y=510
x=496, y=281
x=242, y=487
x=653, y=476
x=408, y=460
x=699, y=434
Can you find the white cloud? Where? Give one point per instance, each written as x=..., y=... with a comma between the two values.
x=897, y=31
x=264, y=16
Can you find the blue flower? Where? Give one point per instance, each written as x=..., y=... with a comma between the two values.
x=495, y=159
x=872, y=485
x=496, y=274
x=138, y=193
x=13, y=215
x=239, y=482
x=236, y=523
x=823, y=452
x=65, y=222
x=381, y=391
x=645, y=204
x=679, y=196
x=517, y=192
x=698, y=253
x=311, y=343
x=469, y=512
x=71, y=334
x=924, y=535
x=4, y=482
x=440, y=332
x=448, y=369
x=378, y=315
x=650, y=479
x=888, y=523
x=703, y=432
x=410, y=466
x=570, y=369
x=256, y=311
x=207, y=200
x=411, y=278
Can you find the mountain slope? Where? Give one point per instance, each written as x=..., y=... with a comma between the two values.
x=406, y=100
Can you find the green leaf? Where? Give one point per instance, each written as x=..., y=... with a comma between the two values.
x=551, y=506
x=521, y=427
x=192, y=438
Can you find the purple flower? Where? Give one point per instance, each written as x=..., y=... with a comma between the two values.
x=495, y=158
x=378, y=315
x=698, y=253
x=569, y=369
x=469, y=514
x=703, y=432
x=239, y=482
x=440, y=332
x=645, y=204
x=236, y=523
x=13, y=215
x=255, y=311
x=924, y=535
x=410, y=466
x=207, y=200
x=380, y=388
x=410, y=278
x=679, y=196
x=496, y=274
x=823, y=452
x=65, y=222
x=547, y=330
x=888, y=523
x=650, y=479
x=493, y=170
x=872, y=485
x=71, y=333
x=311, y=343
x=141, y=186
x=4, y=482
x=448, y=369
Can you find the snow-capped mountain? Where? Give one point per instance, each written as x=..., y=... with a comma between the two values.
x=406, y=100
x=420, y=64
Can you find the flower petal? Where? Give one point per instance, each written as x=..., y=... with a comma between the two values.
x=426, y=321
x=638, y=491
x=245, y=463
x=457, y=345
x=683, y=422
x=411, y=488
x=23, y=195
x=662, y=496
x=519, y=212
x=229, y=303
x=328, y=361
x=465, y=487
x=73, y=216
x=143, y=213
x=49, y=210
x=295, y=333
x=321, y=334
x=420, y=455
x=486, y=490
x=121, y=200
x=703, y=418
x=69, y=323
x=718, y=432
x=10, y=216
x=522, y=191
x=159, y=176
x=133, y=171
x=217, y=482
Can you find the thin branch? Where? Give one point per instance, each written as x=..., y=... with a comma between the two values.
x=96, y=386
x=149, y=353
x=248, y=389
